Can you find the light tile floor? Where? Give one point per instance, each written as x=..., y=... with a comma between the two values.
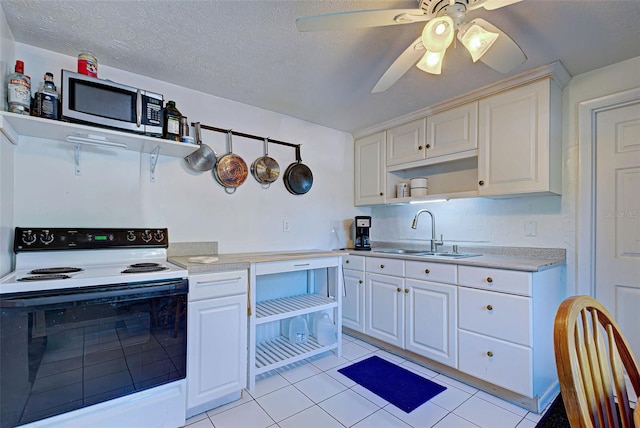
x=313, y=394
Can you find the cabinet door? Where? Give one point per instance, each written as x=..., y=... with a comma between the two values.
x=431, y=314
x=384, y=312
x=353, y=301
x=514, y=141
x=406, y=143
x=217, y=348
x=453, y=131
x=369, y=169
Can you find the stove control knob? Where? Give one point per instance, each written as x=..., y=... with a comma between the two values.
x=46, y=237
x=146, y=236
x=131, y=236
x=158, y=236
x=28, y=237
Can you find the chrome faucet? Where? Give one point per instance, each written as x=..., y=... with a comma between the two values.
x=434, y=241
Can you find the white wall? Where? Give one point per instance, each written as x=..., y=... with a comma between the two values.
x=6, y=151
x=114, y=189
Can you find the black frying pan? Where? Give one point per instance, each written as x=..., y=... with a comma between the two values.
x=298, y=178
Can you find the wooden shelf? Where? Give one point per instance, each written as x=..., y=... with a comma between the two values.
x=288, y=307
x=15, y=126
x=433, y=198
x=279, y=352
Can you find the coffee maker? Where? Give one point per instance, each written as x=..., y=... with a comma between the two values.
x=363, y=226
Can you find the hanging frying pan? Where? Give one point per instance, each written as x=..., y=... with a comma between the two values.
x=265, y=169
x=297, y=177
x=230, y=170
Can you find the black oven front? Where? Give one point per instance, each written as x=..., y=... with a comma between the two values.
x=62, y=350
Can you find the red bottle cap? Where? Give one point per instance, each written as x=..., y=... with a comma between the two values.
x=19, y=66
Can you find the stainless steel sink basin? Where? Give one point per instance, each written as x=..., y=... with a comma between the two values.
x=399, y=251
x=423, y=253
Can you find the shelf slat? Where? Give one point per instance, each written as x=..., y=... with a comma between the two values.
x=287, y=307
x=279, y=352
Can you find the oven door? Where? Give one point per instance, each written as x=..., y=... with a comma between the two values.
x=67, y=349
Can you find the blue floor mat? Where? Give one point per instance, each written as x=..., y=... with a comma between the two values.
x=400, y=387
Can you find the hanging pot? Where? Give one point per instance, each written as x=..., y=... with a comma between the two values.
x=265, y=169
x=298, y=178
x=204, y=158
x=230, y=170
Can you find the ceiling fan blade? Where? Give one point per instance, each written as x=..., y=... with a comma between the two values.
x=505, y=54
x=400, y=66
x=360, y=19
x=497, y=4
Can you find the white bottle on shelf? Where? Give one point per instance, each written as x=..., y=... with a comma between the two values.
x=298, y=330
x=325, y=330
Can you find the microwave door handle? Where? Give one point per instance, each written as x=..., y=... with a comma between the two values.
x=138, y=109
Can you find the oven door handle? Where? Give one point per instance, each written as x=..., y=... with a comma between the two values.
x=148, y=291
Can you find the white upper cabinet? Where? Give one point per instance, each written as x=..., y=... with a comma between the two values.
x=452, y=131
x=406, y=143
x=520, y=141
x=370, y=177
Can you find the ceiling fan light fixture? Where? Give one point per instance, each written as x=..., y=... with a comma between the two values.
x=431, y=62
x=477, y=40
x=437, y=35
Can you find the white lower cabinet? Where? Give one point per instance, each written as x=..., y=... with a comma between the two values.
x=506, y=328
x=217, y=339
x=431, y=310
x=384, y=312
x=495, y=325
x=353, y=298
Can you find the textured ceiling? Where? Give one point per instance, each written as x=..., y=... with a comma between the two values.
x=251, y=52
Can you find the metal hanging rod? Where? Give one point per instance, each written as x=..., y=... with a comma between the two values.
x=242, y=134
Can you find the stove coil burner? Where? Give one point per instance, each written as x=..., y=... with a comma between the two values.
x=144, y=268
x=47, y=277
x=55, y=270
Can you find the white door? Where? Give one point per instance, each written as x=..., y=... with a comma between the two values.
x=369, y=171
x=353, y=300
x=217, y=349
x=384, y=311
x=617, y=216
x=431, y=327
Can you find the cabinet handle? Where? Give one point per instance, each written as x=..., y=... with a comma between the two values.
x=419, y=147
x=381, y=194
x=217, y=281
x=489, y=354
x=489, y=279
x=399, y=289
x=489, y=307
x=481, y=182
x=406, y=290
x=359, y=281
x=346, y=261
x=381, y=266
x=428, y=146
x=427, y=271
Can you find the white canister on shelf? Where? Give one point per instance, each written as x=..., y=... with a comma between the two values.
x=419, y=182
x=402, y=190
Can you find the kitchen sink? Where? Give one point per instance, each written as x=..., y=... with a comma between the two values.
x=423, y=253
x=399, y=251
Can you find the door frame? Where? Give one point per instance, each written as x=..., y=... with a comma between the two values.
x=585, y=215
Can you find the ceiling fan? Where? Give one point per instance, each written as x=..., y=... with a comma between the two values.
x=484, y=41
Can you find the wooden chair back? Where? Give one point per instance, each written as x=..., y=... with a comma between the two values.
x=592, y=356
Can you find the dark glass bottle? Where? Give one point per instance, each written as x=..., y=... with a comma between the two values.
x=171, y=122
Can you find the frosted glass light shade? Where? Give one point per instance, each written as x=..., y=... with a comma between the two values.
x=437, y=35
x=431, y=62
x=477, y=40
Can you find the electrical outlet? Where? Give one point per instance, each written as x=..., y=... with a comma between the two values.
x=530, y=228
x=285, y=226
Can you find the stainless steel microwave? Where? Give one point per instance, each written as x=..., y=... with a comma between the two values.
x=100, y=102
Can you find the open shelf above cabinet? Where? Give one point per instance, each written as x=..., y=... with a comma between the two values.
x=15, y=126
